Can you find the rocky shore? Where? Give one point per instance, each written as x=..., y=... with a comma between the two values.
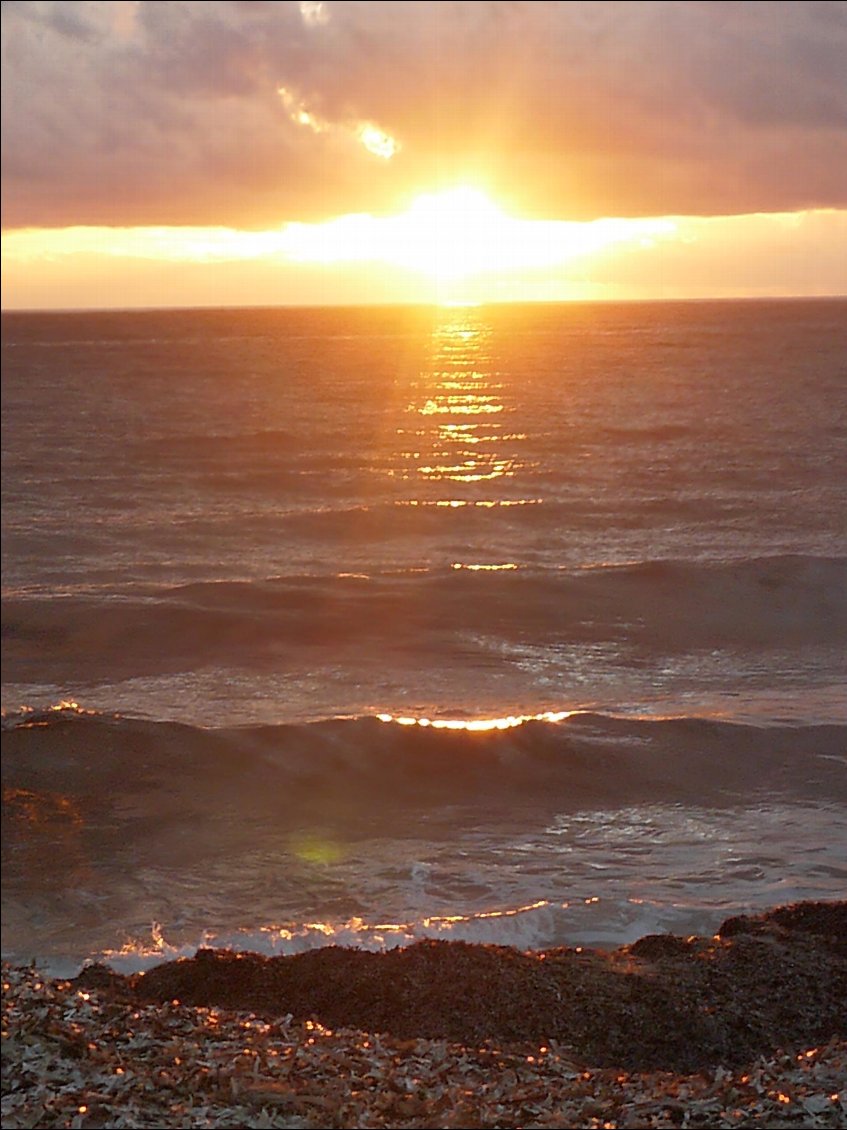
x=748, y=1027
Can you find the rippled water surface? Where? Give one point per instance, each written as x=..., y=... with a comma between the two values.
x=281, y=559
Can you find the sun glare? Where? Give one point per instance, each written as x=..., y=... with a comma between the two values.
x=453, y=234
x=457, y=234
x=443, y=235
x=456, y=246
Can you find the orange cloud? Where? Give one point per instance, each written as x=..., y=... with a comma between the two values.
x=133, y=113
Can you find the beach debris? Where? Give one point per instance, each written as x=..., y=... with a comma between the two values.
x=78, y=1058
x=224, y=1040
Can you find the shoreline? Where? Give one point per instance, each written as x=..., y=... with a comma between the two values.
x=747, y=1027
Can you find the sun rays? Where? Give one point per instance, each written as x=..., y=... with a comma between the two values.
x=458, y=243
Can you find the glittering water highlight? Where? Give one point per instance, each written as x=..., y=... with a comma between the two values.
x=508, y=623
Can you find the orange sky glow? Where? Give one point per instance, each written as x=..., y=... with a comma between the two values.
x=323, y=153
x=455, y=247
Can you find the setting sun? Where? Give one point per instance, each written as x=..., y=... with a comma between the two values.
x=452, y=246
x=423, y=562
x=350, y=154
x=456, y=234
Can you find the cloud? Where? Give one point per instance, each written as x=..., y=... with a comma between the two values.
x=152, y=113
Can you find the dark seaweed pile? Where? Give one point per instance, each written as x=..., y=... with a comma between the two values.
x=771, y=981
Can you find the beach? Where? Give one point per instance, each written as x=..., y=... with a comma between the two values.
x=424, y=565
x=745, y=1028
x=437, y=705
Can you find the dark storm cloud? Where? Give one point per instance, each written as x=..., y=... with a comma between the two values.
x=158, y=113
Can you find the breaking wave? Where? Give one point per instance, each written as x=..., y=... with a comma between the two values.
x=370, y=765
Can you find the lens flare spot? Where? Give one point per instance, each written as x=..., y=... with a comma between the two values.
x=315, y=848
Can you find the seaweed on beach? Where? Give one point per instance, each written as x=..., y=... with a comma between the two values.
x=662, y=1003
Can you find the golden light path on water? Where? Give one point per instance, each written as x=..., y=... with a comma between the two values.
x=456, y=503
x=475, y=725
x=456, y=425
x=505, y=566
x=472, y=447
x=456, y=386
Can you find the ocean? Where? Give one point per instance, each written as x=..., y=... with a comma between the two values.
x=517, y=624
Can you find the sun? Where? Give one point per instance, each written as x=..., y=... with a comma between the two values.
x=455, y=246
x=453, y=234
x=445, y=236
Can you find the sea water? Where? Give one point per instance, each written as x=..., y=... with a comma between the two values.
x=519, y=624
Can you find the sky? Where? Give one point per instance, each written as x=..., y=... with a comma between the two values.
x=243, y=152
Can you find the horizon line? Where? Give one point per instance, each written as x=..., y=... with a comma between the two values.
x=598, y=301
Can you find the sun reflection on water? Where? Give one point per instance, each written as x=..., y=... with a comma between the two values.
x=457, y=420
x=475, y=725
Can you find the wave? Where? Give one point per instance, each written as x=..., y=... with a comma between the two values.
x=663, y=606
x=366, y=766
x=590, y=828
